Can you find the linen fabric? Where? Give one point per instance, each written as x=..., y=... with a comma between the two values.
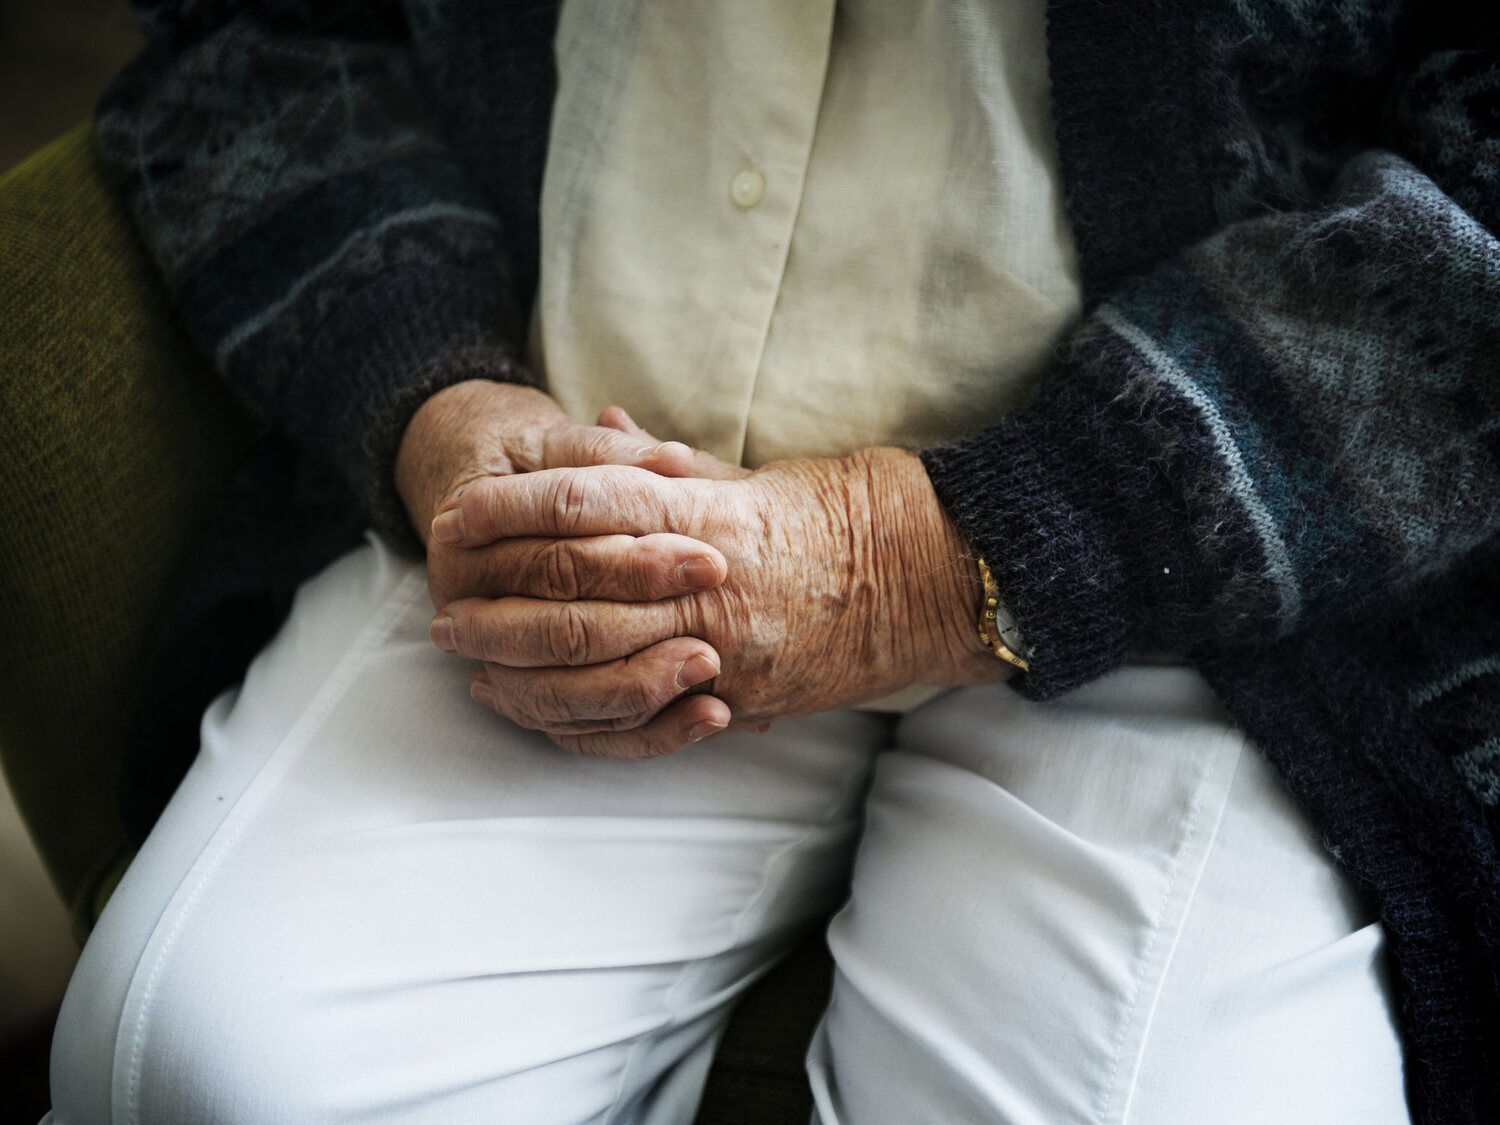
x=1269, y=445
x=372, y=900
x=898, y=262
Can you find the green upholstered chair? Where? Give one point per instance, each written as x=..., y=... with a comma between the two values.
x=113, y=436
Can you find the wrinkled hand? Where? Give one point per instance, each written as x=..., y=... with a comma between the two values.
x=845, y=580
x=479, y=429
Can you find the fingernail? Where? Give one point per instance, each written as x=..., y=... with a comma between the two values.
x=441, y=632
x=698, y=573
x=699, y=731
x=649, y=451
x=695, y=670
x=449, y=526
x=481, y=692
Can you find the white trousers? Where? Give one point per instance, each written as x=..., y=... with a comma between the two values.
x=372, y=900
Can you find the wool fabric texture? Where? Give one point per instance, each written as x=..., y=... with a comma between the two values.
x=1271, y=446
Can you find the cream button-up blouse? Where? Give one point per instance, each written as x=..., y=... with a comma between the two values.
x=781, y=228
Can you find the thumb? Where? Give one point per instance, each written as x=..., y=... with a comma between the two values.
x=667, y=458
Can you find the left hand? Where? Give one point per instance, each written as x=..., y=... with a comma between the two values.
x=480, y=428
x=846, y=581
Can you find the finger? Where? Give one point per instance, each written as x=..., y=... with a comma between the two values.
x=610, y=567
x=599, y=500
x=535, y=633
x=695, y=718
x=574, y=445
x=698, y=463
x=481, y=691
x=618, y=418
x=633, y=688
x=672, y=459
x=691, y=719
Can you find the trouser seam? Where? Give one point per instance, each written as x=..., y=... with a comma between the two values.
x=1145, y=962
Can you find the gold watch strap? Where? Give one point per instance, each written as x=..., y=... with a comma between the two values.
x=989, y=627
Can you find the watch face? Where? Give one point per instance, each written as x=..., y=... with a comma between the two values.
x=997, y=625
x=1005, y=625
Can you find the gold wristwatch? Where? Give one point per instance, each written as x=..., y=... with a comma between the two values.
x=997, y=628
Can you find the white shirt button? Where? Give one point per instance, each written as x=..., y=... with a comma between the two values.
x=747, y=188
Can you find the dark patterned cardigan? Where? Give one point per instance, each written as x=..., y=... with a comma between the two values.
x=1272, y=445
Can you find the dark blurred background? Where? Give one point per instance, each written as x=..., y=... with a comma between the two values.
x=55, y=58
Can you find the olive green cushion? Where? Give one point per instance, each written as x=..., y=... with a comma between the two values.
x=112, y=436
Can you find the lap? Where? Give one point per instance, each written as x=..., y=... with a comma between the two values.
x=371, y=899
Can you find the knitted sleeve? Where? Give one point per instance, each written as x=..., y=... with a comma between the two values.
x=323, y=244
x=1294, y=420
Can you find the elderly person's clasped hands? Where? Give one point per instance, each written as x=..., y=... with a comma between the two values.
x=627, y=609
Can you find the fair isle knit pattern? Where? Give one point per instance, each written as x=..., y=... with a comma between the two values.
x=1272, y=445
x=329, y=247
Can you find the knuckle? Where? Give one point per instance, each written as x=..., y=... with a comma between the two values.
x=570, y=498
x=604, y=447
x=577, y=446
x=529, y=447
x=560, y=571
x=567, y=635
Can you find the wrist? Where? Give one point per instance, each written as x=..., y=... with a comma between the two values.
x=929, y=569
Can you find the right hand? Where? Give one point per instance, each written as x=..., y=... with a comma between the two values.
x=479, y=429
